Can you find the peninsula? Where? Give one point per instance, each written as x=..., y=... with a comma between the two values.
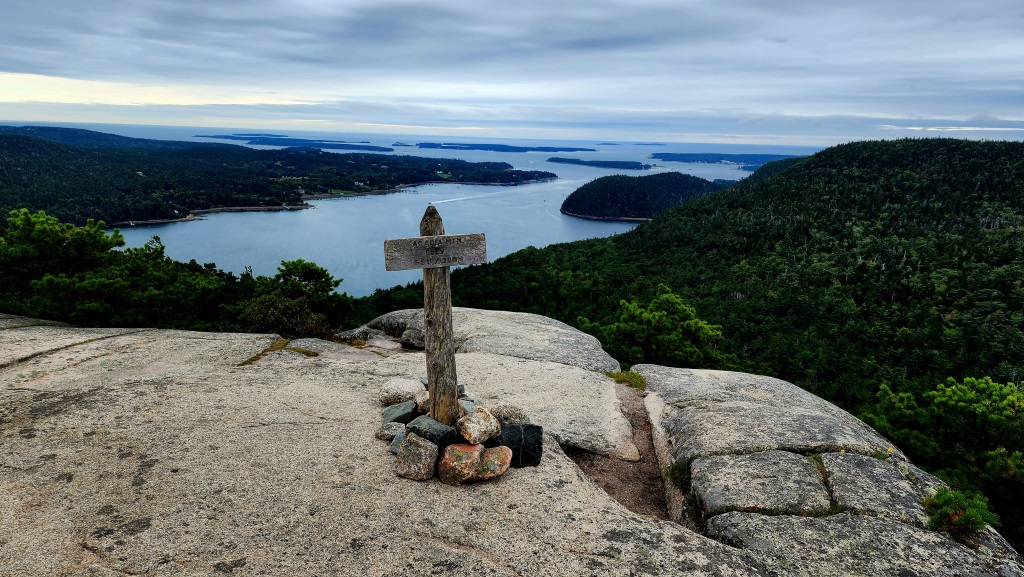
x=77, y=175
x=750, y=162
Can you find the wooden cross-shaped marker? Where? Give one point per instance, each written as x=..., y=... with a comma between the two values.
x=434, y=252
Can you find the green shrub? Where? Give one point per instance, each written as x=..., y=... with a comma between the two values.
x=635, y=380
x=679, y=474
x=665, y=332
x=960, y=515
x=969, y=433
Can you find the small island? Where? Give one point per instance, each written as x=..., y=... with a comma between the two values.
x=635, y=198
x=613, y=164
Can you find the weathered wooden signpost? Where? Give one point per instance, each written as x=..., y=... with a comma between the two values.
x=434, y=252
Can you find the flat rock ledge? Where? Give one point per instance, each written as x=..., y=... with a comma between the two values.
x=522, y=335
x=161, y=453
x=762, y=465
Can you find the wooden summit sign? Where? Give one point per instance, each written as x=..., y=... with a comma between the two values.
x=434, y=252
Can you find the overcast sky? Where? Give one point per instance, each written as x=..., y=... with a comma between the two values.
x=813, y=72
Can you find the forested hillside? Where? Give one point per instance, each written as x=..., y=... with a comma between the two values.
x=899, y=261
x=93, y=139
x=895, y=263
x=142, y=182
x=619, y=196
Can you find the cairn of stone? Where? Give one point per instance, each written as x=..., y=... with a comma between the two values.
x=482, y=445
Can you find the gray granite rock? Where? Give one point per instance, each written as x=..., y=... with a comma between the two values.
x=509, y=414
x=521, y=335
x=21, y=343
x=467, y=406
x=713, y=417
x=400, y=413
x=434, y=431
x=333, y=350
x=854, y=545
x=395, y=391
x=397, y=441
x=383, y=344
x=868, y=485
x=770, y=481
x=396, y=322
x=721, y=412
x=417, y=458
x=157, y=454
x=160, y=453
x=924, y=482
x=14, y=321
x=388, y=431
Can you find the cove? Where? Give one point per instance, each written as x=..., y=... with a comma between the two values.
x=346, y=235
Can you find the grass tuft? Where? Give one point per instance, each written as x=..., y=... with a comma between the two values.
x=635, y=380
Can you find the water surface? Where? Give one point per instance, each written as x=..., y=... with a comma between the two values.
x=347, y=235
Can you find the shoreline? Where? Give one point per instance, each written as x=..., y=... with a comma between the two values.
x=277, y=208
x=605, y=218
x=192, y=214
x=402, y=187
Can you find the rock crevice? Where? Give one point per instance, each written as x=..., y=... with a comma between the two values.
x=760, y=464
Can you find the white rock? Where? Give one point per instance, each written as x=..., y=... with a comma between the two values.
x=522, y=335
x=478, y=426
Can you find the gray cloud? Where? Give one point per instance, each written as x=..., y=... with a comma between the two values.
x=594, y=62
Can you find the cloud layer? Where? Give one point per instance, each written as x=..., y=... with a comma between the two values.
x=798, y=71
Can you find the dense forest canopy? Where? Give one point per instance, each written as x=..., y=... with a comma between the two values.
x=619, y=196
x=145, y=181
x=93, y=139
x=903, y=260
